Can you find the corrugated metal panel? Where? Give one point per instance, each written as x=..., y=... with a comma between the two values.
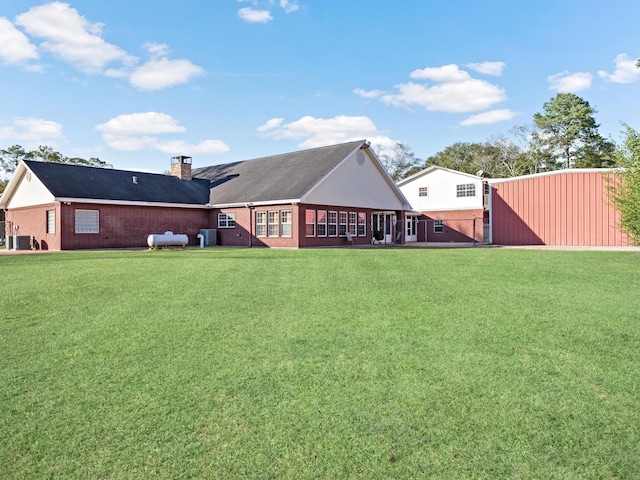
x=568, y=208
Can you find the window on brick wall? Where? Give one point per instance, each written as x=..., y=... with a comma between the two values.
x=87, y=221
x=438, y=226
x=273, y=224
x=226, y=220
x=342, y=228
x=261, y=224
x=51, y=222
x=333, y=224
x=362, y=224
x=310, y=222
x=285, y=223
x=353, y=223
x=322, y=223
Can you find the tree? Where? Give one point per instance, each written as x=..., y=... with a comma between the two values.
x=400, y=162
x=624, y=188
x=567, y=135
x=11, y=157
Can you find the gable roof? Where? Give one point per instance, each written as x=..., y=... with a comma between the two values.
x=66, y=181
x=433, y=168
x=287, y=176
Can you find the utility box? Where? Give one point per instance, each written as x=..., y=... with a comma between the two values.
x=21, y=242
x=210, y=236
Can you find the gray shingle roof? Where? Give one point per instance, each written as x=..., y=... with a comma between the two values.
x=278, y=177
x=74, y=181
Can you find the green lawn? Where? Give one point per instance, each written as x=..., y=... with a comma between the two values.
x=336, y=363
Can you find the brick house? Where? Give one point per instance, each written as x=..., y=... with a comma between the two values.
x=316, y=197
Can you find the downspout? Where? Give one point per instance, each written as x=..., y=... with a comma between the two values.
x=251, y=207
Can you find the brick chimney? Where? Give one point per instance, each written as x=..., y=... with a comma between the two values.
x=181, y=167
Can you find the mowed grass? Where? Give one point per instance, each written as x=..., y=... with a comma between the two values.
x=337, y=363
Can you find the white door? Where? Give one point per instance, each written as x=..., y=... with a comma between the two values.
x=383, y=225
x=411, y=229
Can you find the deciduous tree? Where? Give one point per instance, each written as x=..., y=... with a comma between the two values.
x=624, y=187
x=400, y=162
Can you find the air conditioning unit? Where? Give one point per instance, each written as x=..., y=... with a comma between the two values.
x=210, y=236
x=22, y=242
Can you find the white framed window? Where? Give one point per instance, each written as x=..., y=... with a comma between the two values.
x=310, y=222
x=87, y=221
x=353, y=223
x=322, y=223
x=466, y=190
x=362, y=224
x=226, y=220
x=438, y=226
x=273, y=224
x=51, y=222
x=333, y=224
x=261, y=224
x=342, y=227
x=285, y=223
x=423, y=191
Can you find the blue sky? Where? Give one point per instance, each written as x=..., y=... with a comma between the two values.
x=135, y=82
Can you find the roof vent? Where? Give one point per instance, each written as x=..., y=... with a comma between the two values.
x=134, y=179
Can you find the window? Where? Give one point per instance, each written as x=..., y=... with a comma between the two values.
x=466, y=190
x=273, y=225
x=333, y=224
x=353, y=223
x=87, y=221
x=226, y=220
x=261, y=224
x=343, y=224
x=285, y=223
x=438, y=226
x=322, y=223
x=310, y=220
x=362, y=224
x=423, y=191
x=51, y=221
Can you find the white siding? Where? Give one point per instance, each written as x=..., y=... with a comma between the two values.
x=30, y=191
x=352, y=184
x=442, y=192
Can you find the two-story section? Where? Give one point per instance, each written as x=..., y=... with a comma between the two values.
x=448, y=206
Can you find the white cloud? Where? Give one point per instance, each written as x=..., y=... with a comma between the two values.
x=568, y=82
x=289, y=6
x=492, y=116
x=446, y=73
x=33, y=131
x=625, y=71
x=139, y=131
x=368, y=93
x=455, y=97
x=71, y=37
x=251, y=15
x=316, y=132
x=488, y=68
x=163, y=73
x=452, y=90
x=14, y=45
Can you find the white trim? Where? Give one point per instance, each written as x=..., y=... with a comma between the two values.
x=291, y=201
x=491, y=181
x=126, y=202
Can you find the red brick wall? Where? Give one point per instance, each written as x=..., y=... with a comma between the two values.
x=123, y=226
x=458, y=226
x=32, y=221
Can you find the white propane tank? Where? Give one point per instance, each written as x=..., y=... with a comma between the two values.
x=167, y=239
